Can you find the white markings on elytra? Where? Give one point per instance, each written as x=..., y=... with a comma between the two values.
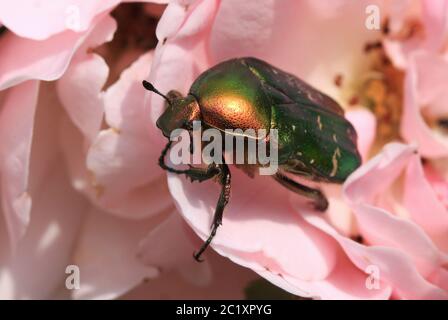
x=334, y=161
x=319, y=123
x=335, y=139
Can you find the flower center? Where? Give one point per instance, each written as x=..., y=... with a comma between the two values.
x=381, y=88
x=135, y=35
x=382, y=92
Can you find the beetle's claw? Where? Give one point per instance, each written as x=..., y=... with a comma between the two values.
x=197, y=257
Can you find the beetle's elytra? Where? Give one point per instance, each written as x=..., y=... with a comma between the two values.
x=315, y=141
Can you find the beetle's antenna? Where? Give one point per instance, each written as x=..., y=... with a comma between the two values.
x=148, y=86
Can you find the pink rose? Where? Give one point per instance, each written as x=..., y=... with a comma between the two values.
x=381, y=237
x=79, y=178
x=80, y=184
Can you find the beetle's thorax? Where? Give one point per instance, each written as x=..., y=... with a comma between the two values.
x=179, y=114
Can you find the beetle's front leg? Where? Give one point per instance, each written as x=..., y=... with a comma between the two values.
x=195, y=174
x=320, y=201
x=224, y=181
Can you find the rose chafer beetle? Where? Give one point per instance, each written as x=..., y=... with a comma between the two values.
x=315, y=141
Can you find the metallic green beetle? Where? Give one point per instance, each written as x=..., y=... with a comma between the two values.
x=315, y=141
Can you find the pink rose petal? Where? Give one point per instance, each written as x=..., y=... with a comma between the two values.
x=49, y=60
x=401, y=244
x=120, y=173
x=421, y=201
x=393, y=268
x=36, y=270
x=375, y=177
x=268, y=230
x=169, y=247
x=433, y=16
x=80, y=91
x=16, y=134
x=413, y=126
x=135, y=203
x=380, y=172
x=107, y=256
x=228, y=281
x=124, y=153
x=124, y=100
x=365, y=125
x=127, y=174
x=346, y=282
x=80, y=88
x=37, y=20
x=432, y=76
x=435, y=19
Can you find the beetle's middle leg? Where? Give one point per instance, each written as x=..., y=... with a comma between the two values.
x=320, y=201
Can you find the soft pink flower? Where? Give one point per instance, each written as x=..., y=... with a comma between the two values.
x=79, y=177
x=79, y=181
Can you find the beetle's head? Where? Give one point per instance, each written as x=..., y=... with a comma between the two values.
x=180, y=112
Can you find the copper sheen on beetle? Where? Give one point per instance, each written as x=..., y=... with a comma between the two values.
x=315, y=141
